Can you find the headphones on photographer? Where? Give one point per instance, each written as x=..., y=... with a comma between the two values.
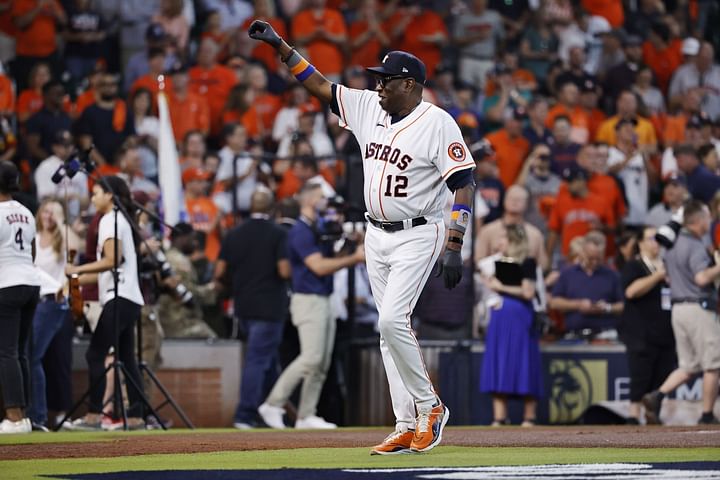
x=9, y=177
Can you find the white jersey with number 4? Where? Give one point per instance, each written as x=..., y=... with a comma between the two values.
x=17, y=232
x=405, y=163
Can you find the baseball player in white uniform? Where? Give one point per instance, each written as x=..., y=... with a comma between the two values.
x=414, y=155
x=19, y=291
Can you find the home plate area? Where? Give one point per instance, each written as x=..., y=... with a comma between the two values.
x=604, y=471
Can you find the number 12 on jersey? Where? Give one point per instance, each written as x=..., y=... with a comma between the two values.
x=395, y=186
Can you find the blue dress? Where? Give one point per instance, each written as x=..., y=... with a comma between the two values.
x=511, y=363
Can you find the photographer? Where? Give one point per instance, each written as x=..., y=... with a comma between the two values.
x=125, y=308
x=695, y=322
x=180, y=310
x=312, y=285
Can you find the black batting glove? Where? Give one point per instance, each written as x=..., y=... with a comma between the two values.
x=450, y=267
x=264, y=32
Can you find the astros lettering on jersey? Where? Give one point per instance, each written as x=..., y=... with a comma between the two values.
x=407, y=162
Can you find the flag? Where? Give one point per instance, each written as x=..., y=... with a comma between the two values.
x=171, y=194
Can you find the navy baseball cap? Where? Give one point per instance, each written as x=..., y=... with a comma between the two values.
x=397, y=63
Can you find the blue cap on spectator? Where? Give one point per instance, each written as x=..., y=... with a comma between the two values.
x=155, y=32
x=397, y=63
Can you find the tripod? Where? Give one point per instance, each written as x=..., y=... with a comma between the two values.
x=117, y=366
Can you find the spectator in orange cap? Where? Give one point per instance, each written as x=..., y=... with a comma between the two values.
x=203, y=214
x=322, y=31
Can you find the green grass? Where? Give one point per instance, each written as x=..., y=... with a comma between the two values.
x=352, y=458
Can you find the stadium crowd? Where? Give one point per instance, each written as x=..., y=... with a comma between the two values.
x=591, y=123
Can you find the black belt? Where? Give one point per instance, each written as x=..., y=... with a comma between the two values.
x=397, y=226
x=706, y=303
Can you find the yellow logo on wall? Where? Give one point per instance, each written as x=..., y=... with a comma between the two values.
x=574, y=386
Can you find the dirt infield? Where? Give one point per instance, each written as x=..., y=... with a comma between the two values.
x=570, y=437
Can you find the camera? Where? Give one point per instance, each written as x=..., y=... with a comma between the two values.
x=159, y=263
x=667, y=234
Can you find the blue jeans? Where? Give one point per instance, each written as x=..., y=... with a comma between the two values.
x=260, y=366
x=49, y=319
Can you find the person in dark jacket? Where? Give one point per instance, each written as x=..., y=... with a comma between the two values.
x=253, y=263
x=645, y=326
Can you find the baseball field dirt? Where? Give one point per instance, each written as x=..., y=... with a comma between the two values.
x=116, y=444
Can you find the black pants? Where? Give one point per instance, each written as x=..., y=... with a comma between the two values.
x=649, y=368
x=17, y=308
x=128, y=315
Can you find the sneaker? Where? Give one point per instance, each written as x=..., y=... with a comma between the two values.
x=152, y=423
x=110, y=424
x=396, y=443
x=82, y=425
x=39, y=427
x=136, y=424
x=242, y=426
x=713, y=420
x=21, y=426
x=429, y=427
x=314, y=422
x=272, y=416
x=652, y=402
x=500, y=423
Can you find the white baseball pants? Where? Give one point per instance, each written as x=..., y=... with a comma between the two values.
x=399, y=264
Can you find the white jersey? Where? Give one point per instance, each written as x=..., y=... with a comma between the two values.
x=17, y=232
x=405, y=163
x=128, y=286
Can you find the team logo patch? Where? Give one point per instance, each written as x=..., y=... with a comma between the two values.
x=456, y=151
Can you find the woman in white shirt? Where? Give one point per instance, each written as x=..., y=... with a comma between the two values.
x=125, y=307
x=19, y=289
x=52, y=313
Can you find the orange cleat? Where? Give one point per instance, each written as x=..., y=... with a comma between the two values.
x=429, y=427
x=396, y=443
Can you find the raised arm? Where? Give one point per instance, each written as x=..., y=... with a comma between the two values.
x=313, y=81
